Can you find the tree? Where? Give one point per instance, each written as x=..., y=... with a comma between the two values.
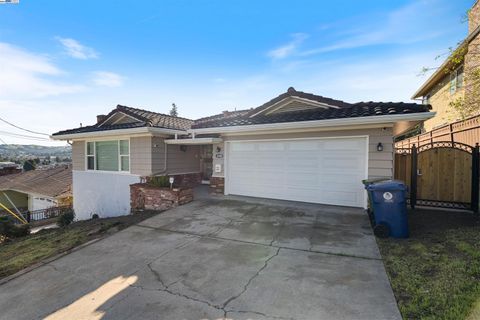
x=29, y=165
x=174, y=110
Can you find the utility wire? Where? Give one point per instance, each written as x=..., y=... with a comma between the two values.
x=15, y=126
x=3, y=141
x=27, y=137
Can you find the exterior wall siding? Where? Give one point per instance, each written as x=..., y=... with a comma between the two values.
x=141, y=155
x=380, y=164
x=78, y=155
x=187, y=161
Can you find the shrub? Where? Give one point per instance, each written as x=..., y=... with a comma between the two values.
x=66, y=218
x=10, y=230
x=161, y=182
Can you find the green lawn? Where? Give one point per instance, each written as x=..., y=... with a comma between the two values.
x=23, y=252
x=435, y=274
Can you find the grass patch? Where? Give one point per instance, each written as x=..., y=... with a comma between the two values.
x=435, y=274
x=23, y=252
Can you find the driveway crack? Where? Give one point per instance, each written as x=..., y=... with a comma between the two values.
x=260, y=314
x=245, y=287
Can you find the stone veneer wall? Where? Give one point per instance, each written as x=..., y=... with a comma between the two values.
x=217, y=185
x=146, y=197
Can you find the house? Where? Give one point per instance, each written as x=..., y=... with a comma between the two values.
x=9, y=168
x=37, y=189
x=456, y=79
x=297, y=146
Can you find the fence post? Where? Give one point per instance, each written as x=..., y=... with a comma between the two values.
x=475, y=179
x=413, y=178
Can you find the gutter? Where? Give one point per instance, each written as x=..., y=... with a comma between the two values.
x=117, y=132
x=330, y=123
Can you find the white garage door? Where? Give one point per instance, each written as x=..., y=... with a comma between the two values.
x=324, y=170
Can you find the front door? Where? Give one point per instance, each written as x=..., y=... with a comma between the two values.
x=206, y=162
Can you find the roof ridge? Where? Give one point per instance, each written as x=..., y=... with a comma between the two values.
x=157, y=113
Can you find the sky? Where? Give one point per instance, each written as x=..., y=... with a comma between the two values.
x=64, y=62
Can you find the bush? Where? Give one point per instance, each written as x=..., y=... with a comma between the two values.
x=161, y=182
x=10, y=230
x=66, y=218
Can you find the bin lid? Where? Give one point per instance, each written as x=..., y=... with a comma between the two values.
x=390, y=185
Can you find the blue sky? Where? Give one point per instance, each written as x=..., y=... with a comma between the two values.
x=63, y=62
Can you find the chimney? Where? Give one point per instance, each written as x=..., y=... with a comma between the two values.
x=474, y=17
x=101, y=117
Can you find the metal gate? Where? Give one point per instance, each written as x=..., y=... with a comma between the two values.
x=440, y=174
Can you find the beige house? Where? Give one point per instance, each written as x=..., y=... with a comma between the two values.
x=37, y=189
x=297, y=146
x=449, y=82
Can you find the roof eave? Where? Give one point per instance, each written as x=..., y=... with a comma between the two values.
x=329, y=123
x=437, y=75
x=117, y=132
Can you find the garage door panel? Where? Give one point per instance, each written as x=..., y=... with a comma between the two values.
x=314, y=170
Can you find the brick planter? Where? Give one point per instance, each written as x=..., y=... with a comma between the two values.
x=147, y=197
x=217, y=185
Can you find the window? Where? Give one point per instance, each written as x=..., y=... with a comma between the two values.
x=111, y=155
x=456, y=80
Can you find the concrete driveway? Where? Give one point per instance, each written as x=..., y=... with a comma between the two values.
x=215, y=259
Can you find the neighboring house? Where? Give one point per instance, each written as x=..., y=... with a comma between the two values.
x=450, y=82
x=9, y=168
x=298, y=146
x=37, y=189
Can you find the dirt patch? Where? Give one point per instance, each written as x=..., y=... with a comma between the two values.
x=20, y=253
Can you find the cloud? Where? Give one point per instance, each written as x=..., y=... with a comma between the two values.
x=107, y=79
x=77, y=50
x=289, y=48
x=30, y=75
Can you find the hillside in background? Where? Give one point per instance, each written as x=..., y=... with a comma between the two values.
x=26, y=151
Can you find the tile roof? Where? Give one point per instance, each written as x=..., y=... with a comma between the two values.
x=340, y=109
x=344, y=110
x=51, y=183
x=145, y=119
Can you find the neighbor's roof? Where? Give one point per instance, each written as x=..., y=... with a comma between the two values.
x=50, y=183
x=343, y=110
x=145, y=118
x=442, y=71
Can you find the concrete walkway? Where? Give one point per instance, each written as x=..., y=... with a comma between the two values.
x=216, y=259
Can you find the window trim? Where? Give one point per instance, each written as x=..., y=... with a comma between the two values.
x=120, y=171
x=454, y=84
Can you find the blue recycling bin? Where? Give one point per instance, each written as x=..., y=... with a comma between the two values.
x=388, y=199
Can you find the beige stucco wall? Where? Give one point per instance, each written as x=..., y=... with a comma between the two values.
x=440, y=99
x=380, y=164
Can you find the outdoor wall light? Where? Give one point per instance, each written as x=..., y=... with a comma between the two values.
x=379, y=146
x=183, y=148
x=218, y=149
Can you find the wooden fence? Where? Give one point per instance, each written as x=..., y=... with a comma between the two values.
x=465, y=131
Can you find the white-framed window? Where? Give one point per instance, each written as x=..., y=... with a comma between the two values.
x=456, y=80
x=109, y=155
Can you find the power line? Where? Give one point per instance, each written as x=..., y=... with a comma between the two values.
x=23, y=136
x=3, y=141
x=15, y=126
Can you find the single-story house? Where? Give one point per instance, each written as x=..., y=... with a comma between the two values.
x=297, y=146
x=37, y=189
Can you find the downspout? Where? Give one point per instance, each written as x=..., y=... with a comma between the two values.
x=164, y=161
